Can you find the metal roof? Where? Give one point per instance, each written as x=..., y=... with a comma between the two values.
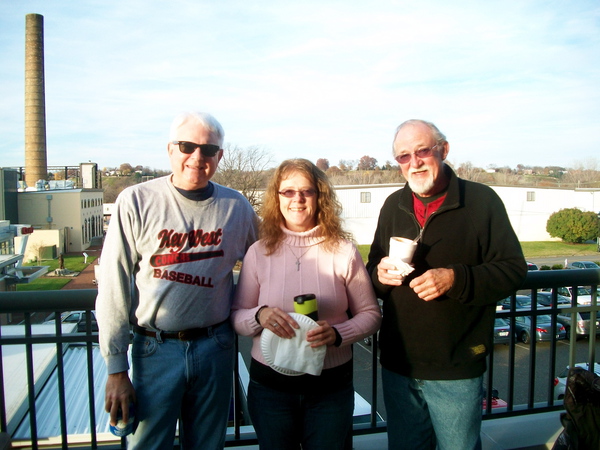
x=76, y=397
x=76, y=390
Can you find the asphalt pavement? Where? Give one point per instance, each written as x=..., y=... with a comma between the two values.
x=552, y=260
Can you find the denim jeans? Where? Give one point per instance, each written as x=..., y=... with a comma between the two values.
x=284, y=420
x=187, y=380
x=424, y=413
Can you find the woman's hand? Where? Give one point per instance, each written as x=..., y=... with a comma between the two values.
x=278, y=321
x=324, y=334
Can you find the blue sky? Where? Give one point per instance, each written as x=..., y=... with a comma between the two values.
x=508, y=82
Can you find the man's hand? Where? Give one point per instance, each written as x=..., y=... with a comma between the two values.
x=119, y=393
x=433, y=283
x=384, y=276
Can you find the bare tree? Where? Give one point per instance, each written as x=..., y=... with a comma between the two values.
x=366, y=163
x=339, y=178
x=506, y=177
x=126, y=169
x=388, y=165
x=584, y=174
x=245, y=170
x=469, y=172
x=346, y=164
x=323, y=164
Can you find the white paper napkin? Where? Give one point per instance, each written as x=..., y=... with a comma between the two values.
x=402, y=268
x=296, y=353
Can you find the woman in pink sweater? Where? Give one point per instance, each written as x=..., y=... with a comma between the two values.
x=303, y=249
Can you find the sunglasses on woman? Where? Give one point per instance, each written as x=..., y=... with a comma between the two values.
x=290, y=193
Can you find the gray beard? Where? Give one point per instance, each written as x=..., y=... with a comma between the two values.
x=423, y=187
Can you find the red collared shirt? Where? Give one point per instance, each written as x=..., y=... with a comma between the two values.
x=424, y=210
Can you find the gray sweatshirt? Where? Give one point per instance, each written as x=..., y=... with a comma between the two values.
x=167, y=262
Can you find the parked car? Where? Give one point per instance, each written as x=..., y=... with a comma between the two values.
x=545, y=298
x=582, y=319
x=583, y=265
x=560, y=382
x=501, y=331
x=543, y=326
x=77, y=317
x=521, y=302
x=584, y=295
x=532, y=266
x=582, y=322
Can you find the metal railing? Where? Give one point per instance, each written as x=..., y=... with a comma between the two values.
x=33, y=304
x=536, y=280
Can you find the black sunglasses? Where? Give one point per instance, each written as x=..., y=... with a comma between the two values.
x=208, y=150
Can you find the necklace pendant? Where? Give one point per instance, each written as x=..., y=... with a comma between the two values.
x=297, y=265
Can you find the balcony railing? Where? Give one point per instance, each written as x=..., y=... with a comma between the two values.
x=521, y=386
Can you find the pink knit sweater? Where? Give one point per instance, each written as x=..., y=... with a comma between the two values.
x=339, y=280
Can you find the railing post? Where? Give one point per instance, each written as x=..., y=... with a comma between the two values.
x=61, y=383
x=593, y=328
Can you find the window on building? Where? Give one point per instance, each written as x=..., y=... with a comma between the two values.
x=365, y=197
x=7, y=247
x=530, y=196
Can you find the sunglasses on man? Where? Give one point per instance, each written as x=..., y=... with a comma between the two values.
x=208, y=150
x=423, y=153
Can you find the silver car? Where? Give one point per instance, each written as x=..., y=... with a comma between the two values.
x=582, y=322
x=583, y=265
x=584, y=295
x=542, y=332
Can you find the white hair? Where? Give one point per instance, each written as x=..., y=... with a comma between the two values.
x=202, y=119
x=437, y=134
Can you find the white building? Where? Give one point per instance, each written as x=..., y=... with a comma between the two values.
x=528, y=208
x=65, y=220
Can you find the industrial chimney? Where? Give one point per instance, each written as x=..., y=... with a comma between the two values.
x=36, y=166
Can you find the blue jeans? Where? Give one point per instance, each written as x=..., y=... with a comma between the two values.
x=191, y=380
x=424, y=413
x=284, y=420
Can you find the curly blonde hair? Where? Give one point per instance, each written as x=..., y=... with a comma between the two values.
x=328, y=206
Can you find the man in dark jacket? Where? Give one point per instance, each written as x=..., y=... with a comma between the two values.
x=438, y=320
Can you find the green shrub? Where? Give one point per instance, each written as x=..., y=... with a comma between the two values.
x=545, y=267
x=573, y=225
x=558, y=267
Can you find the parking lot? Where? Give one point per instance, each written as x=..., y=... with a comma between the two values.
x=542, y=361
x=523, y=361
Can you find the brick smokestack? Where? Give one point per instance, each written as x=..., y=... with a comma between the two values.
x=36, y=166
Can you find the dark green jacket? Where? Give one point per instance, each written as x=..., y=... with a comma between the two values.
x=447, y=338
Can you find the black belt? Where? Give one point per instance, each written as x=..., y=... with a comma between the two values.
x=183, y=335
